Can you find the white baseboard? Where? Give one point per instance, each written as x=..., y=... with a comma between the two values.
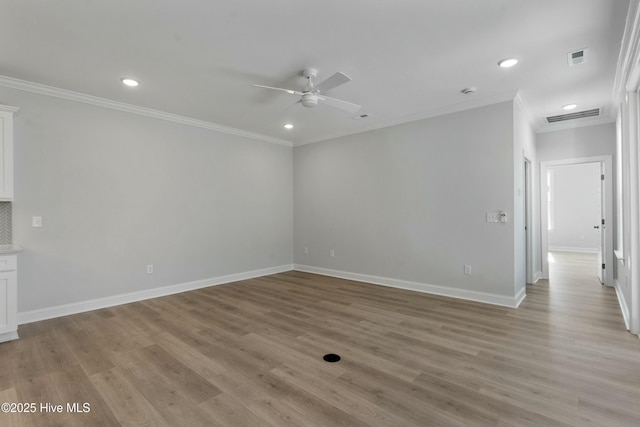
x=9, y=336
x=623, y=305
x=95, y=304
x=520, y=296
x=536, y=276
x=483, y=297
x=574, y=249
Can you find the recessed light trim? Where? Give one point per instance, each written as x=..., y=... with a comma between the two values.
x=508, y=62
x=569, y=106
x=288, y=126
x=128, y=81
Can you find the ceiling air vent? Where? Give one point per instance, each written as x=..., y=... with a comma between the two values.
x=578, y=57
x=573, y=116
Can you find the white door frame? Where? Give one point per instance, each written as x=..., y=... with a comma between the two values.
x=527, y=220
x=607, y=250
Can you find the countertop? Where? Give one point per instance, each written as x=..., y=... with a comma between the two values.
x=10, y=249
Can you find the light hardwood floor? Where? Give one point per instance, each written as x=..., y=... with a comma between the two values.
x=250, y=353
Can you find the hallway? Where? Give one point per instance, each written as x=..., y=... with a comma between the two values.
x=584, y=331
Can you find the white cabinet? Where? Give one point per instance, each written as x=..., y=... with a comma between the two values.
x=6, y=152
x=8, y=298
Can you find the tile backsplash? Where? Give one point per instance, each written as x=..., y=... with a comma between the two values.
x=6, y=235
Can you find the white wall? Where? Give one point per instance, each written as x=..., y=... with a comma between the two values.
x=407, y=204
x=576, y=191
x=118, y=191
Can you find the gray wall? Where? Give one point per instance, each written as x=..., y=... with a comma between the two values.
x=409, y=202
x=585, y=141
x=118, y=191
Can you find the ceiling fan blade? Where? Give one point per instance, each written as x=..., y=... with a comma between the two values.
x=339, y=103
x=289, y=91
x=335, y=80
x=291, y=106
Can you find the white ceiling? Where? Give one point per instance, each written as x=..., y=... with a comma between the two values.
x=408, y=59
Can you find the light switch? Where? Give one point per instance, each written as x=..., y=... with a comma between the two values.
x=493, y=217
x=499, y=216
x=36, y=221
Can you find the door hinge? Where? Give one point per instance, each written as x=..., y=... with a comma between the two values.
x=603, y=221
x=602, y=177
x=603, y=266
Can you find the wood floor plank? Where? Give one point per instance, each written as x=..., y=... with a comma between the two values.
x=250, y=353
x=128, y=405
x=226, y=411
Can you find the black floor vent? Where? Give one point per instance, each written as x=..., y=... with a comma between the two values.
x=331, y=358
x=573, y=116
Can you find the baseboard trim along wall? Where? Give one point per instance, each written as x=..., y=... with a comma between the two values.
x=95, y=304
x=623, y=305
x=537, y=276
x=501, y=300
x=9, y=336
x=574, y=249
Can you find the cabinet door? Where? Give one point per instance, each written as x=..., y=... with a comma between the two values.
x=6, y=155
x=8, y=302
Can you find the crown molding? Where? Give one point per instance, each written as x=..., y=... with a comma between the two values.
x=69, y=95
x=9, y=108
x=440, y=111
x=526, y=109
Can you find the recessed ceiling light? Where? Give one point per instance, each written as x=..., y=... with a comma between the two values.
x=569, y=106
x=288, y=126
x=127, y=81
x=509, y=62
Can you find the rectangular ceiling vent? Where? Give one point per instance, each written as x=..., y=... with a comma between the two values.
x=576, y=58
x=573, y=116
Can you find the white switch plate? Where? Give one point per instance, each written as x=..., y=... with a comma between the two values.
x=306, y=251
x=467, y=269
x=499, y=216
x=332, y=253
x=493, y=216
x=150, y=269
x=36, y=221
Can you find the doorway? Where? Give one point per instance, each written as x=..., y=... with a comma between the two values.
x=602, y=234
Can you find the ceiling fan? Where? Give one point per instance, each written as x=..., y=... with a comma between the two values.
x=311, y=95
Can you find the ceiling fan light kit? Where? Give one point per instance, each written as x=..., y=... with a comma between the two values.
x=311, y=95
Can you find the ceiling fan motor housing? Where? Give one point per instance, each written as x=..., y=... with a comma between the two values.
x=309, y=100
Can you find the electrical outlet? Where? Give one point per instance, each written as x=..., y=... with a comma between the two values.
x=332, y=253
x=150, y=269
x=467, y=269
x=36, y=221
x=306, y=251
